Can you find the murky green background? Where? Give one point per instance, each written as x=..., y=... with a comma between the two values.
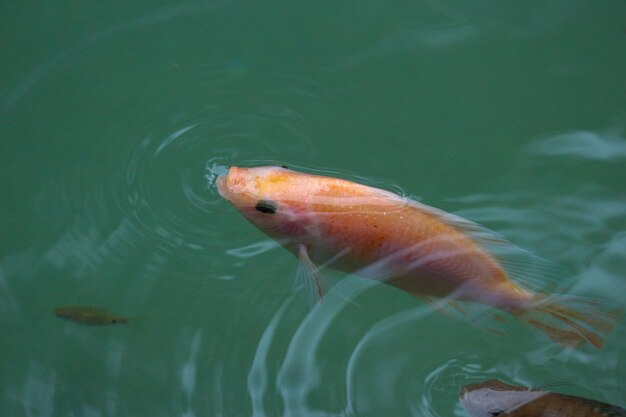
x=115, y=116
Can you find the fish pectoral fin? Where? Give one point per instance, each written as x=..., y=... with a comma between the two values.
x=308, y=278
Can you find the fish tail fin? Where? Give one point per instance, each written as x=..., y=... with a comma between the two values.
x=572, y=320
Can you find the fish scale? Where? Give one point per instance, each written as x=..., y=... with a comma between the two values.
x=419, y=249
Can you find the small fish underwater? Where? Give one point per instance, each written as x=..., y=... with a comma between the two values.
x=88, y=315
x=434, y=256
x=495, y=398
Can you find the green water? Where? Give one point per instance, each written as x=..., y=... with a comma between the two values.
x=115, y=116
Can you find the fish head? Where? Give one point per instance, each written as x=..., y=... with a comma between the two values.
x=272, y=198
x=494, y=398
x=63, y=312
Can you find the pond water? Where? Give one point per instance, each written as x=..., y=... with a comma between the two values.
x=116, y=117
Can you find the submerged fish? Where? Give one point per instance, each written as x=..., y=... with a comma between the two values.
x=88, y=315
x=494, y=398
x=422, y=250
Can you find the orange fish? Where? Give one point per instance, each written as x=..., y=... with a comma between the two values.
x=424, y=251
x=494, y=398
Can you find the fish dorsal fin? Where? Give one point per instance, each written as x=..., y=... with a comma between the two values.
x=551, y=384
x=525, y=269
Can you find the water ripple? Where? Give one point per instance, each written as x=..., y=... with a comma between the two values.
x=254, y=249
x=584, y=145
x=171, y=174
x=442, y=386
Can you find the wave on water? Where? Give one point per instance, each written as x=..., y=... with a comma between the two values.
x=608, y=146
x=300, y=370
x=162, y=192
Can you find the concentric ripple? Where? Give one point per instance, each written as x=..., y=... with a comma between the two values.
x=155, y=197
x=172, y=170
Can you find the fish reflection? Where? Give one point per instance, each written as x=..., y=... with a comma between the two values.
x=88, y=315
x=422, y=250
x=495, y=398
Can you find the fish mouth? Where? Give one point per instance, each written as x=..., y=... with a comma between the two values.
x=225, y=182
x=222, y=185
x=228, y=183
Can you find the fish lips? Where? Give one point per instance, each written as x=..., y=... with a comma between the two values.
x=222, y=187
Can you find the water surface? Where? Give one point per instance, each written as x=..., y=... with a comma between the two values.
x=114, y=119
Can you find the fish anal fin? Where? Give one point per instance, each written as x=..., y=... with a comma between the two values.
x=478, y=315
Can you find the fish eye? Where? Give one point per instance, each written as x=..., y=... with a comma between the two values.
x=495, y=413
x=266, y=206
x=284, y=166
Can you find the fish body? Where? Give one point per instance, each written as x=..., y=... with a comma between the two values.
x=382, y=236
x=494, y=398
x=88, y=315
